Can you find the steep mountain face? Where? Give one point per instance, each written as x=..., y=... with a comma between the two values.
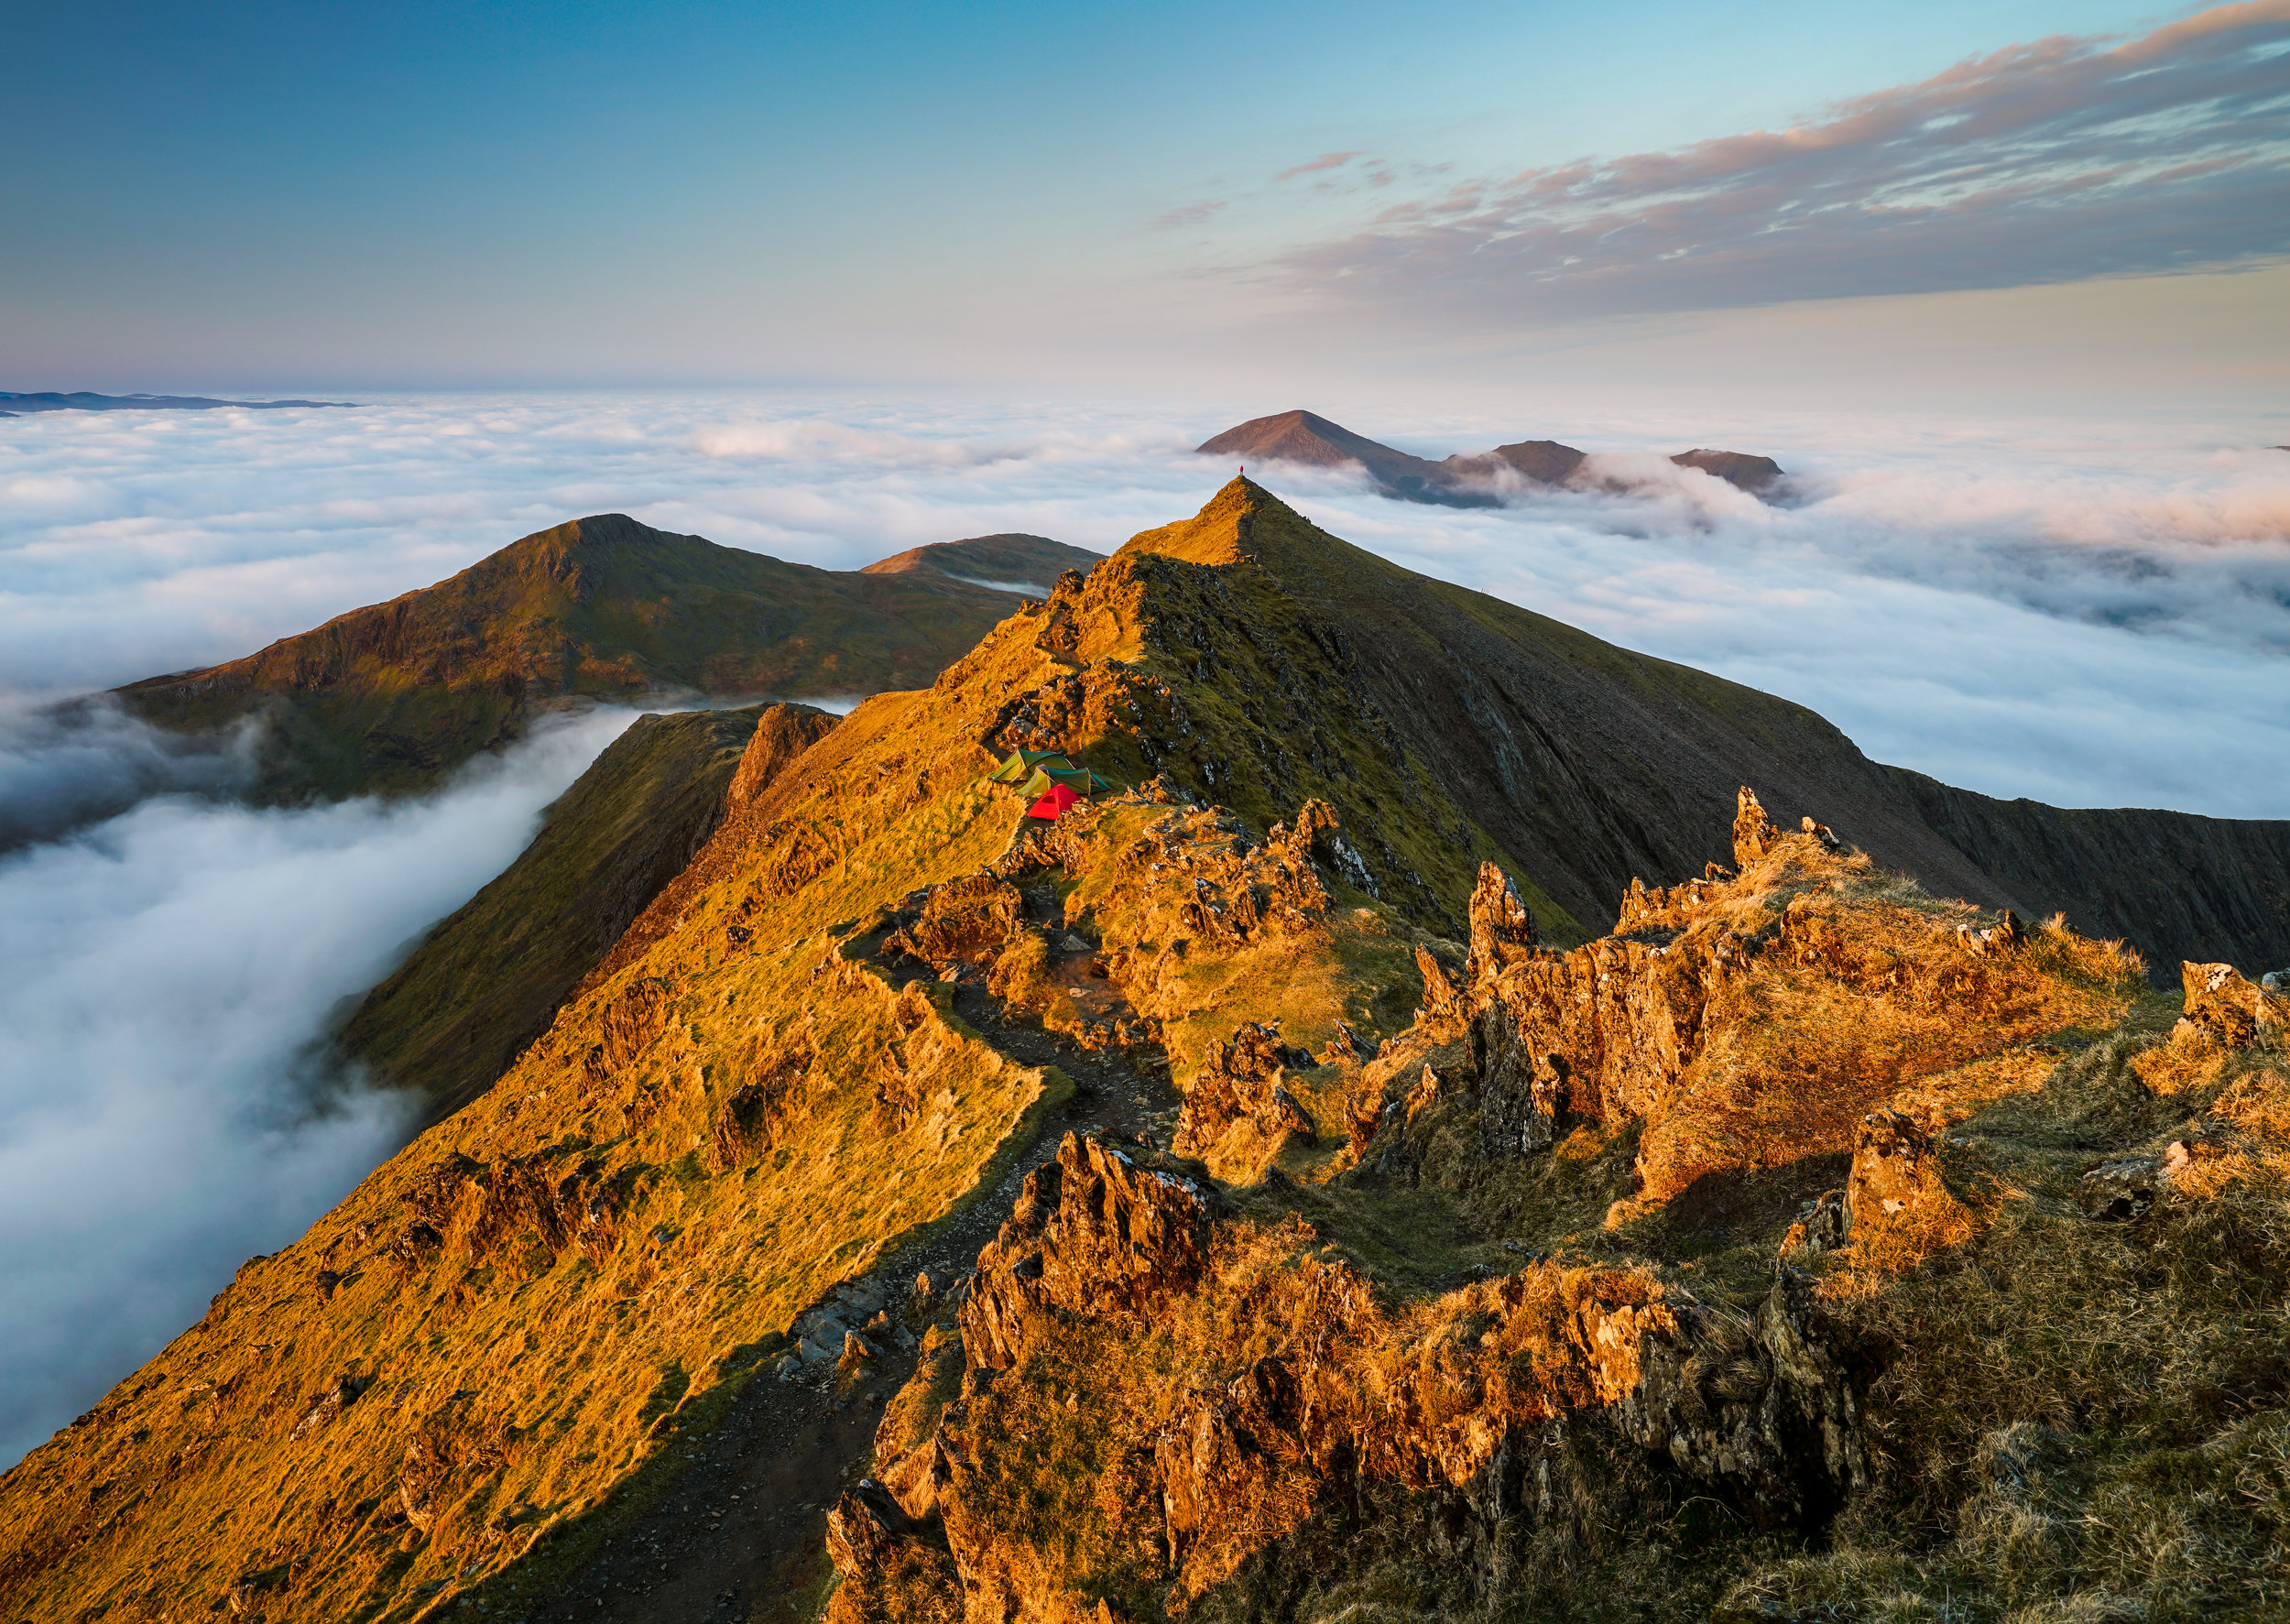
x=392, y=696
x=1011, y=560
x=1806, y=1245
x=1468, y=479
x=488, y=978
x=2178, y=886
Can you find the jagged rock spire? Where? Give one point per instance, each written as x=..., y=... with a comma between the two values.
x=1502, y=931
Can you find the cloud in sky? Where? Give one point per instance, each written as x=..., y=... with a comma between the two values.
x=162, y=979
x=1327, y=161
x=2066, y=158
x=1190, y=214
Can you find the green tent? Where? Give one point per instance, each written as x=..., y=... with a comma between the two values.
x=1082, y=780
x=1022, y=762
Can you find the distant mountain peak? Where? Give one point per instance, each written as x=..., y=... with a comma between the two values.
x=1471, y=479
x=1008, y=560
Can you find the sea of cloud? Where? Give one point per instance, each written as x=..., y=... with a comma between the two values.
x=2094, y=611
x=2091, y=612
x=167, y=976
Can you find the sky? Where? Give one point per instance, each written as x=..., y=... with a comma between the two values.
x=2027, y=202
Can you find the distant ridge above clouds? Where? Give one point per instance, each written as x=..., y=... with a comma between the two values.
x=393, y=696
x=18, y=405
x=1475, y=479
x=1012, y=560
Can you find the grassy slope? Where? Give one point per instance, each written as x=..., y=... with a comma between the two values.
x=1587, y=764
x=528, y=1358
x=390, y=696
x=487, y=980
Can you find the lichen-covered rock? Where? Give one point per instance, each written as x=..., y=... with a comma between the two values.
x=2118, y=1191
x=2226, y=1007
x=1896, y=1205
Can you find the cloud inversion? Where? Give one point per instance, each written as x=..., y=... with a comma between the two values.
x=162, y=979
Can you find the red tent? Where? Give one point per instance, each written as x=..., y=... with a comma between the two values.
x=1055, y=802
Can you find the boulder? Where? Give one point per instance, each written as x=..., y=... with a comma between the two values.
x=2117, y=1191
x=2225, y=1008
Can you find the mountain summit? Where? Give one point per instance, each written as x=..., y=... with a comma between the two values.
x=1312, y=442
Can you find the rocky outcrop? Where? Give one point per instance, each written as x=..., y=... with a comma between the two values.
x=2226, y=1007
x=1240, y=1087
x=783, y=734
x=1320, y=1391
x=1093, y=1237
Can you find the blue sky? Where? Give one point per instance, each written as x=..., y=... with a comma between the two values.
x=428, y=195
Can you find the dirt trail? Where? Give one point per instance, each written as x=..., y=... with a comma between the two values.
x=741, y=1534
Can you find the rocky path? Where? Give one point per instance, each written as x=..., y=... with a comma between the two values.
x=740, y=1536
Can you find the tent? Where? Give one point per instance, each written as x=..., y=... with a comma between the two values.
x=1022, y=762
x=1082, y=780
x=1055, y=800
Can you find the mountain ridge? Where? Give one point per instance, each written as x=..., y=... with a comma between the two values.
x=392, y=695
x=1461, y=480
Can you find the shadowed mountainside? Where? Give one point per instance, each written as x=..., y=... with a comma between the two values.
x=2177, y=886
x=1012, y=560
x=486, y=980
x=392, y=696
